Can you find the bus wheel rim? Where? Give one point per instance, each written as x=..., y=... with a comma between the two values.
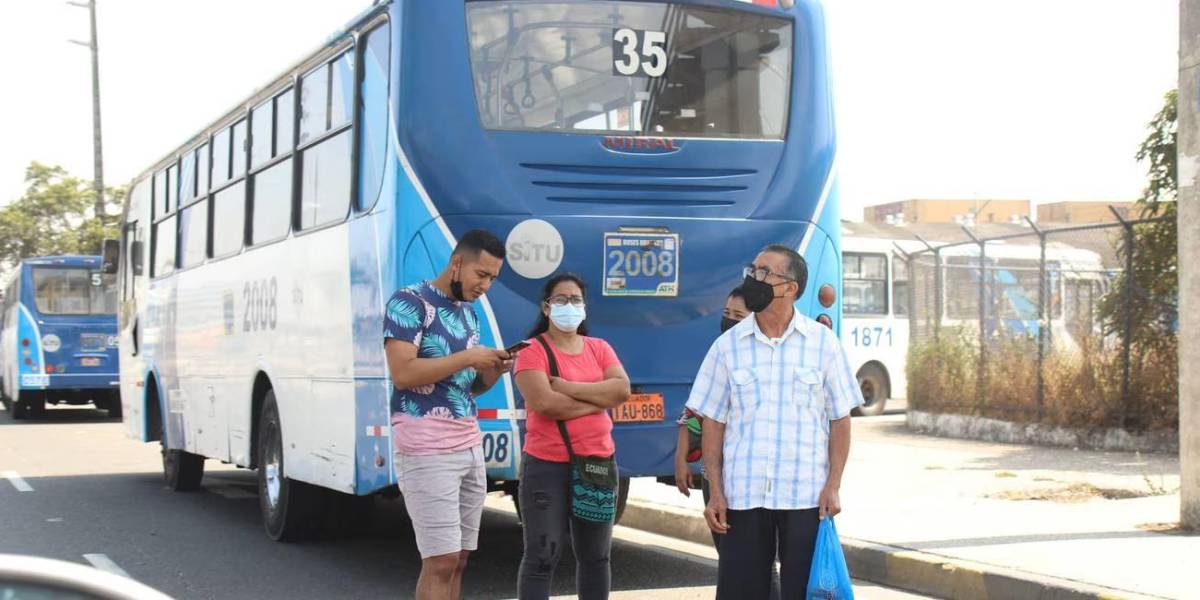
x=274, y=482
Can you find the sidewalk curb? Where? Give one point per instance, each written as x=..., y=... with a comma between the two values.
x=896, y=567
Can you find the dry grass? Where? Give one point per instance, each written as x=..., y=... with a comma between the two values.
x=1082, y=385
x=1074, y=493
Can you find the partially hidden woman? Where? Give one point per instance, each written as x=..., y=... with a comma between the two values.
x=575, y=384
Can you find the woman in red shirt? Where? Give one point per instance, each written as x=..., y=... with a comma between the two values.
x=591, y=380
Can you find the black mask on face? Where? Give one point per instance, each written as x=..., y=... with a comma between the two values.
x=757, y=294
x=456, y=288
x=727, y=324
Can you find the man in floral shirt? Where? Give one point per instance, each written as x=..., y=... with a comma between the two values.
x=431, y=337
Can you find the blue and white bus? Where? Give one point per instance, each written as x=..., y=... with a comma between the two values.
x=58, y=343
x=652, y=147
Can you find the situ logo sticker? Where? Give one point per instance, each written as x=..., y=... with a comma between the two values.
x=535, y=249
x=51, y=343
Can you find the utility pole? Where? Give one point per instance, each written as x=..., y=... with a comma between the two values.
x=97, y=145
x=1189, y=262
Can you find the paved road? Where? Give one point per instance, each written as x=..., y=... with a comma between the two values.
x=94, y=492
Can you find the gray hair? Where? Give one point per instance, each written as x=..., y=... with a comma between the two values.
x=797, y=266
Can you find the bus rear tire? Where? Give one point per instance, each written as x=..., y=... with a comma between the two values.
x=114, y=405
x=182, y=470
x=875, y=391
x=291, y=510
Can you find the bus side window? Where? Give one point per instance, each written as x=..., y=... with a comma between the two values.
x=373, y=116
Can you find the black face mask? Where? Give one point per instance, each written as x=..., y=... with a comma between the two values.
x=727, y=324
x=456, y=289
x=757, y=294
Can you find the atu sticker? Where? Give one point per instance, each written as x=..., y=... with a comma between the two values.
x=535, y=249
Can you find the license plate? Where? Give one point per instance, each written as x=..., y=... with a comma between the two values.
x=640, y=408
x=90, y=362
x=641, y=264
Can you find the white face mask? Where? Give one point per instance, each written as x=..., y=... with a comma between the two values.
x=567, y=317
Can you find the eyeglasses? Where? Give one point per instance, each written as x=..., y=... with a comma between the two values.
x=761, y=273
x=561, y=300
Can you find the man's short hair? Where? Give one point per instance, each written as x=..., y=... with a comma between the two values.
x=478, y=240
x=797, y=266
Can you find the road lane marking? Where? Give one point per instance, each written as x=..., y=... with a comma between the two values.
x=16, y=481
x=105, y=563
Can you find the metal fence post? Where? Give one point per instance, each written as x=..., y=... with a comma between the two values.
x=1043, y=322
x=937, y=285
x=1134, y=421
x=981, y=375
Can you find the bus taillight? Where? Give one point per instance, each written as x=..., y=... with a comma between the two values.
x=25, y=342
x=49, y=368
x=827, y=295
x=825, y=320
x=28, y=362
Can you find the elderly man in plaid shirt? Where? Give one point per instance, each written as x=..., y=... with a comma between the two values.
x=776, y=391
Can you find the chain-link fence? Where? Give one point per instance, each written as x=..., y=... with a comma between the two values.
x=1067, y=326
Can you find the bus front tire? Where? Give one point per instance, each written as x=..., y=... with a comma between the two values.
x=182, y=470
x=291, y=510
x=874, y=386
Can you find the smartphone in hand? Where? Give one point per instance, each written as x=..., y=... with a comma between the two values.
x=517, y=347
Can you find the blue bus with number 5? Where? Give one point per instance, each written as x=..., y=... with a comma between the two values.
x=58, y=342
x=651, y=147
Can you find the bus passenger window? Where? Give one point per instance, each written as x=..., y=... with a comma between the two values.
x=325, y=181
x=193, y=234
x=202, y=170
x=187, y=176
x=373, y=120
x=341, y=90
x=160, y=194
x=164, y=247
x=220, y=157
x=229, y=220
x=238, y=144
x=314, y=104
x=260, y=134
x=172, y=188
x=285, y=126
x=272, y=204
x=864, y=284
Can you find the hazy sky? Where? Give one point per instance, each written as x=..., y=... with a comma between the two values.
x=1039, y=99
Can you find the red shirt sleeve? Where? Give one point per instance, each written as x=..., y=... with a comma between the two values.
x=532, y=358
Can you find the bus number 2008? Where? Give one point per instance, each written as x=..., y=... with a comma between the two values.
x=262, y=305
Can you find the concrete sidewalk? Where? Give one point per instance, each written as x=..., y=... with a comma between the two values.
x=963, y=519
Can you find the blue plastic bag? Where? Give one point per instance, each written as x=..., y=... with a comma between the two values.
x=829, y=579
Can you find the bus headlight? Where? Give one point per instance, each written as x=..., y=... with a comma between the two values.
x=827, y=295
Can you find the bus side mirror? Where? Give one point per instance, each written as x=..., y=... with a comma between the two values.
x=135, y=256
x=110, y=257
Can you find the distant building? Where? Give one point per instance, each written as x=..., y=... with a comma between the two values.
x=961, y=212
x=1085, y=212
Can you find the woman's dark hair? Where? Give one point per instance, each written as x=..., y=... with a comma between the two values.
x=737, y=292
x=543, y=322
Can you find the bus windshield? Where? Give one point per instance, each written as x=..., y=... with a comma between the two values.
x=66, y=291
x=630, y=67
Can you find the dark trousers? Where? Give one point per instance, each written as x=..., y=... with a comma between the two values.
x=546, y=516
x=747, y=553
